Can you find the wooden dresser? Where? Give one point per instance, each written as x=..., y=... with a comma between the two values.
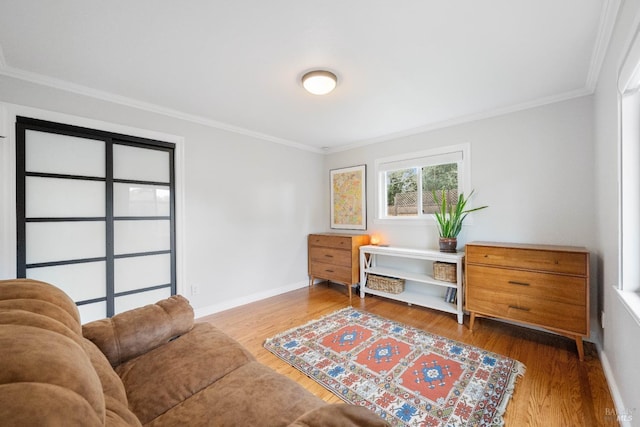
x=539, y=285
x=335, y=257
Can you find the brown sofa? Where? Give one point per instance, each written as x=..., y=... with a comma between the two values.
x=150, y=366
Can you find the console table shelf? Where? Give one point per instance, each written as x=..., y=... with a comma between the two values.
x=421, y=288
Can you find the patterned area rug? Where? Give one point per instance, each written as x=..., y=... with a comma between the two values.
x=404, y=374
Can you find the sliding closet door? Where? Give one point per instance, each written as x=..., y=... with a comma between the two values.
x=62, y=234
x=142, y=225
x=95, y=215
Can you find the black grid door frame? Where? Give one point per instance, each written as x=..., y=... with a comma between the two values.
x=23, y=124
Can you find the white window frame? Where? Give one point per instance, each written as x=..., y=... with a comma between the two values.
x=460, y=153
x=629, y=180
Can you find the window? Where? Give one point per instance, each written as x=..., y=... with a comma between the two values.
x=406, y=184
x=96, y=215
x=630, y=188
x=629, y=86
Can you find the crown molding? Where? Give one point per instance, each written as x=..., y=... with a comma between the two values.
x=467, y=119
x=608, y=17
x=133, y=103
x=141, y=105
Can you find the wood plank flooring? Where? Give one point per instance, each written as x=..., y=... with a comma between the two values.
x=556, y=390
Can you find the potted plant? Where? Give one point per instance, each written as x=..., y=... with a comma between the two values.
x=450, y=217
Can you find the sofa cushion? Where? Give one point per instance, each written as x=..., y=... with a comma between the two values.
x=135, y=332
x=252, y=395
x=119, y=415
x=340, y=415
x=111, y=383
x=29, y=318
x=162, y=378
x=26, y=293
x=115, y=396
x=41, y=404
x=50, y=374
x=38, y=362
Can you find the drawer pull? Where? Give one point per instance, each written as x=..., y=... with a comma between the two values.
x=328, y=256
x=513, y=282
x=329, y=271
x=519, y=308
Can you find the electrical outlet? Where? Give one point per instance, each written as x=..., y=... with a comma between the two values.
x=195, y=289
x=602, y=319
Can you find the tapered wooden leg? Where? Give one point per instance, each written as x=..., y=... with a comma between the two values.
x=472, y=320
x=580, y=347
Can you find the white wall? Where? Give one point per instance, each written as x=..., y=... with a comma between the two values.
x=544, y=177
x=621, y=345
x=534, y=169
x=247, y=204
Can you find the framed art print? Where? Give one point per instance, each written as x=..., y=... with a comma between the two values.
x=348, y=198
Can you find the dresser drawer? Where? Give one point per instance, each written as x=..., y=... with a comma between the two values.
x=540, y=285
x=544, y=286
x=329, y=241
x=332, y=272
x=532, y=259
x=555, y=315
x=334, y=257
x=330, y=256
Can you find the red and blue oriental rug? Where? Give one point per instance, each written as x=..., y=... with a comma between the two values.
x=404, y=374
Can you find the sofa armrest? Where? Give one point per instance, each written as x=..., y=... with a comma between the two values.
x=340, y=415
x=135, y=332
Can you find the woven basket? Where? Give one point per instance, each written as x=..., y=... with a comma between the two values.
x=445, y=271
x=385, y=284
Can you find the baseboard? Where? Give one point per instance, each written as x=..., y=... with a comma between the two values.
x=620, y=412
x=237, y=302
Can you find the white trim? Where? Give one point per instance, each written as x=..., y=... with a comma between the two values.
x=8, y=239
x=629, y=74
x=145, y=106
x=381, y=164
x=247, y=299
x=3, y=122
x=628, y=134
x=133, y=103
x=452, y=156
x=628, y=43
x=620, y=407
x=8, y=174
x=608, y=17
x=619, y=183
x=467, y=119
x=631, y=302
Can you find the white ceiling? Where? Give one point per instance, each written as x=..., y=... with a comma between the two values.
x=403, y=66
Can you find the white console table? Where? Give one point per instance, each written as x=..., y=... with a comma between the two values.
x=421, y=288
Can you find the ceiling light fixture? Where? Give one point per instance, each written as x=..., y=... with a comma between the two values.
x=319, y=82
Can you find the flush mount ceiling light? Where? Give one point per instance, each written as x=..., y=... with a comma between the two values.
x=319, y=82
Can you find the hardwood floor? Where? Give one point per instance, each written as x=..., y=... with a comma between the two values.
x=556, y=390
